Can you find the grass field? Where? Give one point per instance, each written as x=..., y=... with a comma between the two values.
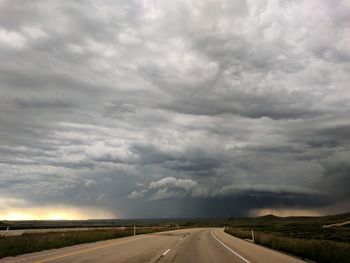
x=298, y=227
x=305, y=237
x=33, y=242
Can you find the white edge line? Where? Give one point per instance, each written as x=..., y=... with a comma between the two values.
x=166, y=252
x=238, y=255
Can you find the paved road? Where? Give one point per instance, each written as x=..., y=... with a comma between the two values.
x=187, y=245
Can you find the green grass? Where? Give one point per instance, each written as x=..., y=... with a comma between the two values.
x=33, y=242
x=312, y=249
x=297, y=227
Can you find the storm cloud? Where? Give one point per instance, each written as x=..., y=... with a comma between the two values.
x=175, y=109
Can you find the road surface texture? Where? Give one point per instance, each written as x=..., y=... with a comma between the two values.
x=186, y=245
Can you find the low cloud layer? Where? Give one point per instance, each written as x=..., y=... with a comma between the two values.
x=175, y=109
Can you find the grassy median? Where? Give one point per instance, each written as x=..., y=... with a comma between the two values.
x=33, y=242
x=312, y=249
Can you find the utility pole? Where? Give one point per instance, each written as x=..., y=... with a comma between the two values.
x=134, y=230
x=253, y=235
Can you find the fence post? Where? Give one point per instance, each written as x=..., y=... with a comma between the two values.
x=253, y=236
x=7, y=230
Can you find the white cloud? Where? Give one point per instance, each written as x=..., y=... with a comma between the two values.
x=34, y=32
x=90, y=183
x=171, y=182
x=12, y=39
x=137, y=194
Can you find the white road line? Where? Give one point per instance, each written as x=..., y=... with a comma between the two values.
x=166, y=252
x=228, y=248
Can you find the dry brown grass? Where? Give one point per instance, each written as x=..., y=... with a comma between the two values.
x=317, y=250
x=26, y=243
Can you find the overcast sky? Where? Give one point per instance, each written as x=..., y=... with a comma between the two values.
x=174, y=108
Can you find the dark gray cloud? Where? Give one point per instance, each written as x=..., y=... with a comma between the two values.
x=336, y=177
x=186, y=108
x=37, y=104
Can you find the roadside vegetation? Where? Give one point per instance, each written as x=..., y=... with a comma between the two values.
x=318, y=250
x=33, y=242
x=298, y=227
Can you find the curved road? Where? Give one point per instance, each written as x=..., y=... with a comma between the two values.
x=187, y=245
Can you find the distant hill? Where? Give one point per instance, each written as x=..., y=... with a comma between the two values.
x=270, y=218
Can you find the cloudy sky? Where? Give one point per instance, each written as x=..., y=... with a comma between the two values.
x=181, y=108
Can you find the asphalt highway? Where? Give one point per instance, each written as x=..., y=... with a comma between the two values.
x=187, y=245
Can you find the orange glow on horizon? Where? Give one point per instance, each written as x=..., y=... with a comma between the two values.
x=55, y=213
